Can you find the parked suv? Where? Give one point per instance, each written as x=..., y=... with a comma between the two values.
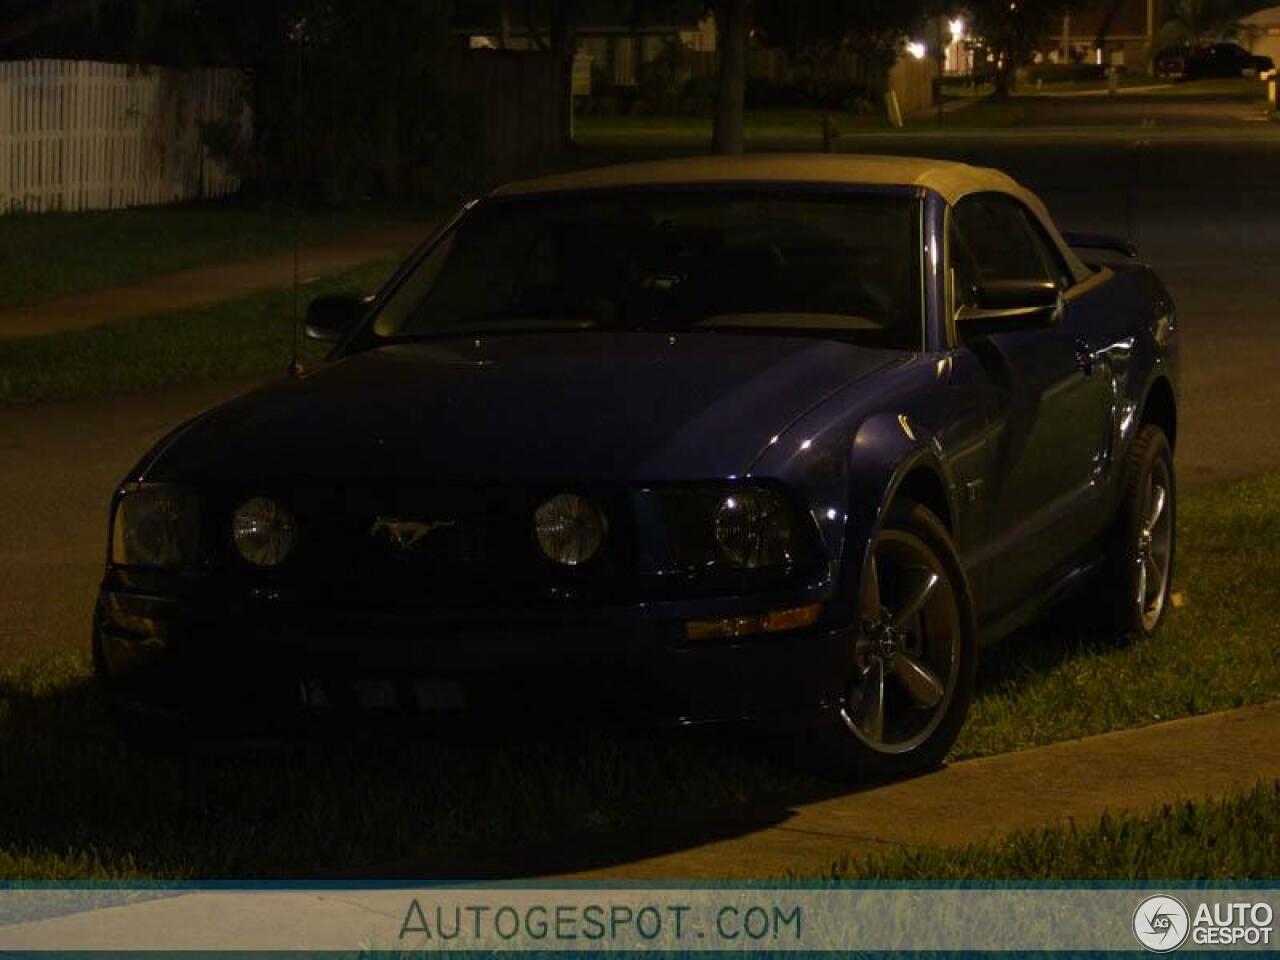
x=1210, y=60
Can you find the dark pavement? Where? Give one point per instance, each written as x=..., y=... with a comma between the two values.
x=1198, y=195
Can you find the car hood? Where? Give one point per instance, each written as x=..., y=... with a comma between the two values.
x=564, y=406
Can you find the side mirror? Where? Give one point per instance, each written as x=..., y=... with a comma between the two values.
x=1006, y=306
x=1101, y=241
x=330, y=318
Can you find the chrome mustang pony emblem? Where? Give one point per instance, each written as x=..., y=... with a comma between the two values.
x=406, y=534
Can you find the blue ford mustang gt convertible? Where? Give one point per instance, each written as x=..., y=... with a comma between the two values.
x=775, y=439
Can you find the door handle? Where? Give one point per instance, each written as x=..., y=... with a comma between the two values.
x=1086, y=356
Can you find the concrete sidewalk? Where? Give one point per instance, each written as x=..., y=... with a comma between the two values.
x=205, y=285
x=984, y=799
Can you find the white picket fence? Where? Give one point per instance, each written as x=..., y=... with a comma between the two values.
x=78, y=135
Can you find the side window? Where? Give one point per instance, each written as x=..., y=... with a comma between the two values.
x=1000, y=240
x=1049, y=254
x=964, y=268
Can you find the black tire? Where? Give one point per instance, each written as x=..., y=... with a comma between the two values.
x=1143, y=540
x=940, y=636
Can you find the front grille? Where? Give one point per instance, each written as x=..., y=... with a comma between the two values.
x=419, y=542
x=438, y=546
x=408, y=534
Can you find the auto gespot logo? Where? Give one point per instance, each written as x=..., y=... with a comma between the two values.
x=1162, y=923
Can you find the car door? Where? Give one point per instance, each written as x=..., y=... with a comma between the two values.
x=1050, y=419
x=1232, y=59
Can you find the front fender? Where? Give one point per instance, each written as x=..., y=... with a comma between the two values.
x=848, y=471
x=887, y=449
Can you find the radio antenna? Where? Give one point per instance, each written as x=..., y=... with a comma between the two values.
x=297, y=35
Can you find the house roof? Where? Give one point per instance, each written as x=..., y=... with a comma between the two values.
x=1270, y=17
x=950, y=180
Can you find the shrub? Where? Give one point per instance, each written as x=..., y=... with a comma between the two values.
x=1065, y=72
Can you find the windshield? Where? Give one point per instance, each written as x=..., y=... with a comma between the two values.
x=833, y=265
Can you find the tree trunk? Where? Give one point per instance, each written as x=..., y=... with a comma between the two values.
x=1002, y=77
x=731, y=28
x=564, y=46
x=1007, y=64
x=504, y=24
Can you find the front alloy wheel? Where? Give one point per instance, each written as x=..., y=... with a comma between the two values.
x=911, y=655
x=907, y=653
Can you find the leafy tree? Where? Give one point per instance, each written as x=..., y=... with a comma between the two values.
x=346, y=96
x=813, y=33
x=816, y=32
x=23, y=19
x=1012, y=28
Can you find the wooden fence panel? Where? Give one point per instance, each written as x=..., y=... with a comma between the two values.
x=912, y=81
x=79, y=135
x=513, y=97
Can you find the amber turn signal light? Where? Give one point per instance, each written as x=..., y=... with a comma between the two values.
x=792, y=618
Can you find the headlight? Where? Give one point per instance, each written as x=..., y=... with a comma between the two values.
x=569, y=529
x=753, y=529
x=741, y=526
x=263, y=531
x=156, y=526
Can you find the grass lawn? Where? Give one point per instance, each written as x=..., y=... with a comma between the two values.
x=77, y=805
x=647, y=137
x=800, y=126
x=1221, y=840
x=765, y=122
x=47, y=255
x=1036, y=692
x=1243, y=88
x=791, y=129
x=238, y=337
x=640, y=137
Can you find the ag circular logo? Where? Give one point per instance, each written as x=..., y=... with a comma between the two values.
x=1161, y=923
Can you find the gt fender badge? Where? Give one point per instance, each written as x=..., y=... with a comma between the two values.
x=406, y=534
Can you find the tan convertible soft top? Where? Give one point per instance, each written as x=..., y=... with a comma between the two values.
x=952, y=181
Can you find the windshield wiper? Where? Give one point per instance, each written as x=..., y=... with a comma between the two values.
x=799, y=321
x=508, y=324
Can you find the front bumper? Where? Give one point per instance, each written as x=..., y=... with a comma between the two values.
x=265, y=666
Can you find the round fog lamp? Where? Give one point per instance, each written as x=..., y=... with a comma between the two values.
x=263, y=531
x=569, y=528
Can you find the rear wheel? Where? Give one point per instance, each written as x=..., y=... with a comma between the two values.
x=1140, y=574
x=911, y=658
